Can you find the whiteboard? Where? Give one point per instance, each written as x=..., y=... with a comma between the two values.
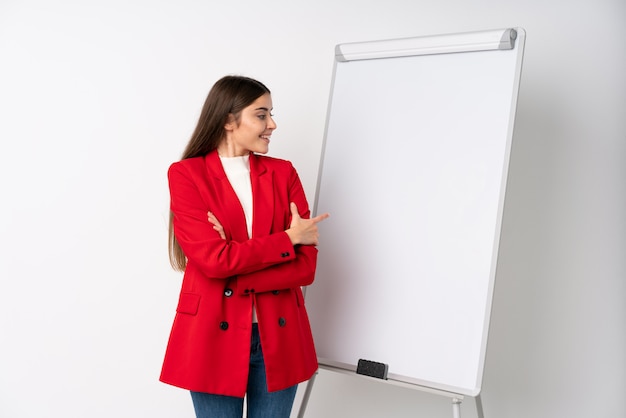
x=413, y=173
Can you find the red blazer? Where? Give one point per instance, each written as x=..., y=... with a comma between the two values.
x=209, y=345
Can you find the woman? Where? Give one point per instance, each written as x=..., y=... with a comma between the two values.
x=240, y=231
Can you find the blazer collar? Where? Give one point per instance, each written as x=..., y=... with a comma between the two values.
x=262, y=196
x=215, y=168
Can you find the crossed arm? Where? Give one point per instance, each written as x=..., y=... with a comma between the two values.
x=301, y=231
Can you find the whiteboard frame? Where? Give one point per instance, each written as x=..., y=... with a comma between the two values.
x=428, y=45
x=509, y=38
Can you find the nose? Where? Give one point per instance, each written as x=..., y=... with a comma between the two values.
x=271, y=124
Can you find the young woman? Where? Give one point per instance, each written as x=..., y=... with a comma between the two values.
x=241, y=231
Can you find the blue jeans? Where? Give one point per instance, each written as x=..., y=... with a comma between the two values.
x=260, y=402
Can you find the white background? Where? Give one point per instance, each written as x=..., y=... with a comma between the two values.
x=97, y=98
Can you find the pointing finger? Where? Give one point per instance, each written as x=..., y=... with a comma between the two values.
x=320, y=218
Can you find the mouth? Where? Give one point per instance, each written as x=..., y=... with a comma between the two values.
x=265, y=137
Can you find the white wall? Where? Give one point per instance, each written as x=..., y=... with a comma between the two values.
x=97, y=99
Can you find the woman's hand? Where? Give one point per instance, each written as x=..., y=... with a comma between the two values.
x=304, y=231
x=216, y=225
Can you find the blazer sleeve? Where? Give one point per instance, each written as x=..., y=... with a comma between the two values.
x=297, y=272
x=203, y=247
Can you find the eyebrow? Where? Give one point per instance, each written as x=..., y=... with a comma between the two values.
x=263, y=108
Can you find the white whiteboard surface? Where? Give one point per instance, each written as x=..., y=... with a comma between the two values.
x=413, y=174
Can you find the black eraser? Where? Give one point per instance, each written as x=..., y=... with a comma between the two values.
x=372, y=369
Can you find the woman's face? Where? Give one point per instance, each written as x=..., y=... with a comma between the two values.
x=253, y=130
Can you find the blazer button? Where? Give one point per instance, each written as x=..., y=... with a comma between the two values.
x=275, y=292
x=285, y=254
x=281, y=321
x=228, y=292
x=224, y=325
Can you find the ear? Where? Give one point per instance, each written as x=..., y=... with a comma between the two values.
x=231, y=122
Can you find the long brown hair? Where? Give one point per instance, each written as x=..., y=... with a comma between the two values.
x=228, y=96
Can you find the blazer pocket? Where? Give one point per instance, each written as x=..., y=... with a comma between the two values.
x=188, y=303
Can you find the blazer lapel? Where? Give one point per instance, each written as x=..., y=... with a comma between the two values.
x=228, y=209
x=262, y=197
